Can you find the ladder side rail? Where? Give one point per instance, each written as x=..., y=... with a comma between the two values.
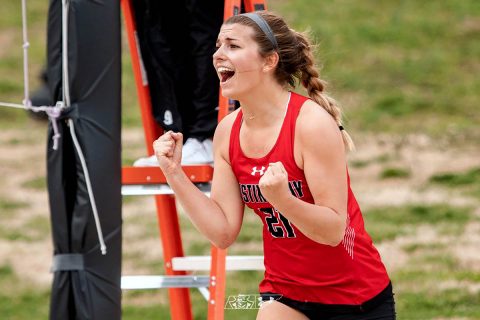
x=180, y=303
x=169, y=229
x=254, y=5
x=217, y=284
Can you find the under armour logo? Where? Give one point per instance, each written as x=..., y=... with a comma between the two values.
x=260, y=171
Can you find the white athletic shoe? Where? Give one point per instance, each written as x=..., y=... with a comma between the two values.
x=196, y=152
x=208, y=145
x=193, y=152
x=146, y=162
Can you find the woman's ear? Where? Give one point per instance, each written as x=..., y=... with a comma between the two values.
x=270, y=62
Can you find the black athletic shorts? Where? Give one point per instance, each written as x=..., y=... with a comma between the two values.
x=380, y=307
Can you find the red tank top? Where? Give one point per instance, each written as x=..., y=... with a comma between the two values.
x=296, y=266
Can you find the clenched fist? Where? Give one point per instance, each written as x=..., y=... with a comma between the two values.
x=168, y=150
x=274, y=182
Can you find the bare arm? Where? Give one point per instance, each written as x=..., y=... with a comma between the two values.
x=219, y=217
x=322, y=156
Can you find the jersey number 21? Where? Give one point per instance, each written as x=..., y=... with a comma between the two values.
x=278, y=225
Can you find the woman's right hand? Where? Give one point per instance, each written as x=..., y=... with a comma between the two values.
x=168, y=150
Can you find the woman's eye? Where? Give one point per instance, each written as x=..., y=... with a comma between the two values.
x=230, y=46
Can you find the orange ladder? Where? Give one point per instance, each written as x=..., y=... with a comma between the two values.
x=150, y=180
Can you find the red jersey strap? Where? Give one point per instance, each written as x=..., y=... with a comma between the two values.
x=235, y=137
x=295, y=103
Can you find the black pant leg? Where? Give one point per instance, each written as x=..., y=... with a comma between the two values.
x=206, y=18
x=165, y=48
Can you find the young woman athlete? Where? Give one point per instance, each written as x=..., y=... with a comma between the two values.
x=283, y=155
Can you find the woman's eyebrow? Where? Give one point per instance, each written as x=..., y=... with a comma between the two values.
x=226, y=39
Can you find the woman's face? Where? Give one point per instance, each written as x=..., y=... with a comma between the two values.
x=237, y=61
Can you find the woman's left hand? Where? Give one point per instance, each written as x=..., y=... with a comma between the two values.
x=274, y=182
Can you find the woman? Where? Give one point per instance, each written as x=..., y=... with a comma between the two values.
x=283, y=155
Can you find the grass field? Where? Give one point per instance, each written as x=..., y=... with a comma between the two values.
x=406, y=74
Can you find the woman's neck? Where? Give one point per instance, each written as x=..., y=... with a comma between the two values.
x=260, y=108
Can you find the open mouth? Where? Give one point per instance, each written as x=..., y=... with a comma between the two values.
x=225, y=73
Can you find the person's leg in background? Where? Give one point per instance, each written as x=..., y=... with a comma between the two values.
x=167, y=49
x=201, y=115
x=163, y=35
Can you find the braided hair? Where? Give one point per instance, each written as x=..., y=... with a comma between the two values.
x=296, y=62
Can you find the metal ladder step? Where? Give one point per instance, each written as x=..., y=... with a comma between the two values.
x=203, y=263
x=156, y=282
x=157, y=189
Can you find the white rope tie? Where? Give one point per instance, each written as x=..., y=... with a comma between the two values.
x=103, y=247
x=53, y=113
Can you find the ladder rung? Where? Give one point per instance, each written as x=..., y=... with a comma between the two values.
x=157, y=189
x=156, y=282
x=199, y=263
x=153, y=175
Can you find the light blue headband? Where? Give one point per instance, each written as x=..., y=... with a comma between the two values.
x=258, y=19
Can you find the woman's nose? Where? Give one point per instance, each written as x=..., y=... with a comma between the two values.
x=218, y=54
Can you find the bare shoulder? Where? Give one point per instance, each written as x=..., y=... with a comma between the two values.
x=221, y=138
x=222, y=132
x=316, y=127
x=225, y=125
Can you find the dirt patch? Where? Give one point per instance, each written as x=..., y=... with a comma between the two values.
x=466, y=248
x=6, y=40
x=31, y=262
x=420, y=157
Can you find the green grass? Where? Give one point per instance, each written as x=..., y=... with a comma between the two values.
x=422, y=293
x=420, y=247
x=387, y=223
x=453, y=179
x=11, y=60
x=426, y=294
x=468, y=181
x=6, y=271
x=18, y=299
x=37, y=227
x=7, y=205
x=39, y=183
x=14, y=234
x=424, y=305
x=362, y=163
x=30, y=304
x=389, y=173
x=393, y=64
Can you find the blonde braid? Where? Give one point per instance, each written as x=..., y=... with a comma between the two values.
x=315, y=86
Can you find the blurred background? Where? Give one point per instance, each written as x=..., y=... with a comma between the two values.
x=407, y=76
